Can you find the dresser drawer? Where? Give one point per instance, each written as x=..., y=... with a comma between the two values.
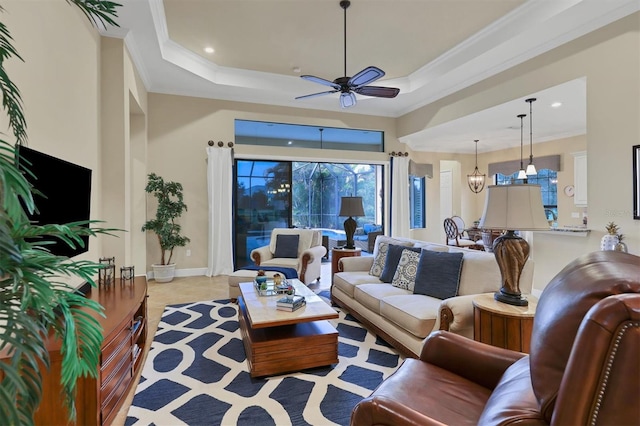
x=115, y=344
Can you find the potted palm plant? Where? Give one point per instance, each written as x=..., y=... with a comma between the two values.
x=170, y=207
x=34, y=300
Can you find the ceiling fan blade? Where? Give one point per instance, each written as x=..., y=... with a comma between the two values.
x=321, y=81
x=313, y=95
x=366, y=76
x=378, y=91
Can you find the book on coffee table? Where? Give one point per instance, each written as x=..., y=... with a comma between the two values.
x=290, y=303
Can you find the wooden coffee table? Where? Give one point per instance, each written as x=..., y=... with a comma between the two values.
x=279, y=341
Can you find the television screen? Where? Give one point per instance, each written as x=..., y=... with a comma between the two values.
x=67, y=188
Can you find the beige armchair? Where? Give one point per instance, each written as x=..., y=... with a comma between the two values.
x=309, y=254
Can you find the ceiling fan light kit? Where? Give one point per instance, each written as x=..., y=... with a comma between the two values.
x=349, y=86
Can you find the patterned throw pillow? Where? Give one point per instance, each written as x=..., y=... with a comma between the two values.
x=405, y=276
x=394, y=252
x=379, y=260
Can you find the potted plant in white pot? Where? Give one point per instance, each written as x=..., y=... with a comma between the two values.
x=170, y=208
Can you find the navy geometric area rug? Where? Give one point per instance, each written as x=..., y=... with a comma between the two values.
x=196, y=374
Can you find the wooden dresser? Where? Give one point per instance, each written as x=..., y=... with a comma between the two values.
x=125, y=333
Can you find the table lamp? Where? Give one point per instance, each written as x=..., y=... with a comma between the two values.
x=511, y=208
x=351, y=206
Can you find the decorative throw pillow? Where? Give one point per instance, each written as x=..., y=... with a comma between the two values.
x=379, y=260
x=380, y=253
x=287, y=245
x=405, y=276
x=391, y=264
x=438, y=274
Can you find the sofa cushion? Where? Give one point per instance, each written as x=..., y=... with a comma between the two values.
x=287, y=246
x=380, y=253
x=438, y=274
x=480, y=272
x=405, y=276
x=394, y=252
x=431, y=246
x=414, y=313
x=347, y=281
x=370, y=295
x=285, y=262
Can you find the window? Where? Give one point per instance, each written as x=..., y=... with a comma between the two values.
x=303, y=136
x=548, y=180
x=417, y=202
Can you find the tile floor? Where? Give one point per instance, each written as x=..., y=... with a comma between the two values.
x=191, y=289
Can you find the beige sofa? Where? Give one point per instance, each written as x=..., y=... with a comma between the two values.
x=309, y=254
x=403, y=318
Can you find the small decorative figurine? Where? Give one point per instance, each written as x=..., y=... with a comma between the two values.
x=277, y=279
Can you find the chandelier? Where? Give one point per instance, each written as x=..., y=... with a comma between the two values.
x=476, y=179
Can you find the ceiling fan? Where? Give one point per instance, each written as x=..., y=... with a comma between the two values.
x=348, y=86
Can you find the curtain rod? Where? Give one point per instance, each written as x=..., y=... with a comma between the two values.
x=220, y=144
x=399, y=154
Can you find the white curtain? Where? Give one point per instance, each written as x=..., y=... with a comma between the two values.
x=400, y=214
x=220, y=187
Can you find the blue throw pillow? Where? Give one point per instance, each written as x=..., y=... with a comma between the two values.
x=438, y=274
x=287, y=245
x=370, y=227
x=394, y=253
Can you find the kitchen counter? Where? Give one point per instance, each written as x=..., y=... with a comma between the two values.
x=572, y=231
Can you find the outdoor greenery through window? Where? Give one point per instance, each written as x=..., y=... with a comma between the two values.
x=276, y=194
x=417, y=201
x=548, y=180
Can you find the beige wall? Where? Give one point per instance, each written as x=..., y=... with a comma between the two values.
x=610, y=60
x=180, y=127
x=76, y=88
x=59, y=81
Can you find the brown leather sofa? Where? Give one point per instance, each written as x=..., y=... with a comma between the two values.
x=584, y=366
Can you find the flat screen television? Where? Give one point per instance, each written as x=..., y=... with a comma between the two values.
x=67, y=188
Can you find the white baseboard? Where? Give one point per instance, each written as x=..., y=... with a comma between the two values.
x=191, y=272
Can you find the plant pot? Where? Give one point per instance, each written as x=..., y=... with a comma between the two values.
x=164, y=273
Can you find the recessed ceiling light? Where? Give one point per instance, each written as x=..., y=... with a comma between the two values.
x=556, y=105
x=209, y=49
x=296, y=69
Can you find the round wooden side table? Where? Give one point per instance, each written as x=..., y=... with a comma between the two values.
x=339, y=253
x=503, y=325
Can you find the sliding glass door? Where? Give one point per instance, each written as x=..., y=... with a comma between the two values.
x=272, y=194
x=262, y=201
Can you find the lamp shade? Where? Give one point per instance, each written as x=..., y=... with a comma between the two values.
x=351, y=206
x=514, y=207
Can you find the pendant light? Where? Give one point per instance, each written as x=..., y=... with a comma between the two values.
x=476, y=179
x=531, y=169
x=521, y=173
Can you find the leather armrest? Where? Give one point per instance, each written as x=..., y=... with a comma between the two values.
x=261, y=254
x=481, y=363
x=355, y=263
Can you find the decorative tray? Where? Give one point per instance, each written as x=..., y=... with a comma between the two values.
x=269, y=288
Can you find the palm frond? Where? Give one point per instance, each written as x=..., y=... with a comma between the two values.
x=98, y=12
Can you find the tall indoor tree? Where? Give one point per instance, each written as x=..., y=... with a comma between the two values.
x=34, y=300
